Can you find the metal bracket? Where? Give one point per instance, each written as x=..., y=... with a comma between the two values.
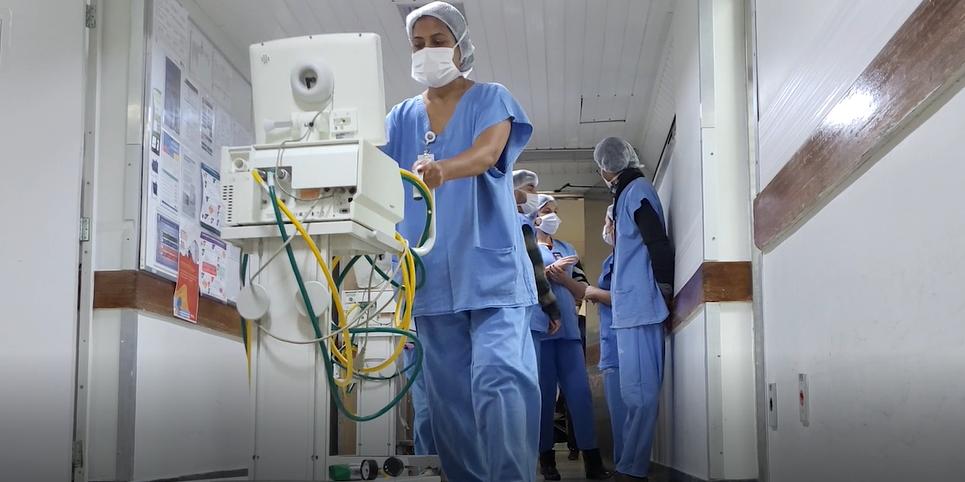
x=84, y=229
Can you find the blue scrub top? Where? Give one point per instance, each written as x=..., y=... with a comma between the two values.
x=608, y=339
x=636, y=298
x=479, y=260
x=569, y=324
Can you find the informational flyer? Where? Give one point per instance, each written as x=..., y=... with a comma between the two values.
x=207, y=127
x=211, y=199
x=199, y=58
x=186, y=292
x=171, y=27
x=191, y=116
x=214, y=257
x=170, y=171
x=172, y=96
x=166, y=243
x=190, y=188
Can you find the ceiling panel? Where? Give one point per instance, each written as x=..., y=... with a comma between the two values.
x=549, y=53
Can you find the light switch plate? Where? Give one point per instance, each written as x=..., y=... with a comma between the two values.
x=804, y=398
x=772, y=405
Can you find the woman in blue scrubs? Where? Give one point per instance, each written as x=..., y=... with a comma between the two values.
x=463, y=138
x=609, y=359
x=527, y=203
x=641, y=287
x=561, y=362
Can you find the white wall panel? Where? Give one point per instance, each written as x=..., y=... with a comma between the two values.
x=866, y=300
x=192, y=403
x=686, y=207
x=105, y=340
x=41, y=131
x=690, y=424
x=809, y=53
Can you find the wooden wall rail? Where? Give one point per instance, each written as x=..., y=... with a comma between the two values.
x=920, y=65
x=140, y=290
x=714, y=281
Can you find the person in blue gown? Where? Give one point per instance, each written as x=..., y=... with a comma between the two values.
x=641, y=288
x=423, y=443
x=609, y=360
x=463, y=138
x=561, y=361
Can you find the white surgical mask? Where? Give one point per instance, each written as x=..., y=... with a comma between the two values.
x=607, y=235
x=549, y=223
x=531, y=204
x=433, y=66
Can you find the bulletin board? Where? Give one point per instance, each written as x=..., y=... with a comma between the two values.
x=195, y=102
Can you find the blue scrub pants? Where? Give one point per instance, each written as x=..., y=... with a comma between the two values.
x=618, y=410
x=421, y=426
x=483, y=392
x=640, y=352
x=561, y=364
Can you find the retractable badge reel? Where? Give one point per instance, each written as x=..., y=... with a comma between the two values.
x=425, y=156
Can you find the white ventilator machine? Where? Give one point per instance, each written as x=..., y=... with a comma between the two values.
x=319, y=109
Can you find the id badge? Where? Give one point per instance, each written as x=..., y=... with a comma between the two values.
x=429, y=157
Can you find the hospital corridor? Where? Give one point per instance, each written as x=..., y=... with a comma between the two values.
x=482, y=240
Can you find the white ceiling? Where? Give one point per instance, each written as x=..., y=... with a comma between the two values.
x=582, y=69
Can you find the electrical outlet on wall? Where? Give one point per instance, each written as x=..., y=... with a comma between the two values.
x=772, y=405
x=803, y=398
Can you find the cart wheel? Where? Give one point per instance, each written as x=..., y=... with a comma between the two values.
x=369, y=469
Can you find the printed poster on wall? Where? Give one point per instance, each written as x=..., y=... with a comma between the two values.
x=170, y=173
x=190, y=189
x=191, y=116
x=207, y=127
x=214, y=257
x=211, y=199
x=199, y=58
x=172, y=96
x=186, y=292
x=170, y=30
x=166, y=243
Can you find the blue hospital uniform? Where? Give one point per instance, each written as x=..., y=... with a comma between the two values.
x=471, y=312
x=639, y=311
x=562, y=363
x=421, y=425
x=610, y=365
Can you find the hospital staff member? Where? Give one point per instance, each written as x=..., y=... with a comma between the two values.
x=561, y=361
x=463, y=137
x=423, y=443
x=525, y=183
x=609, y=363
x=642, y=283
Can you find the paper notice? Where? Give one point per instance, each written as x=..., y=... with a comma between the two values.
x=199, y=59
x=166, y=244
x=170, y=172
x=186, y=292
x=207, y=127
x=191, y=116
x=171, y=28
x=210, y=199
x=190, y=188
x=172, y=96
x=214, y=264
